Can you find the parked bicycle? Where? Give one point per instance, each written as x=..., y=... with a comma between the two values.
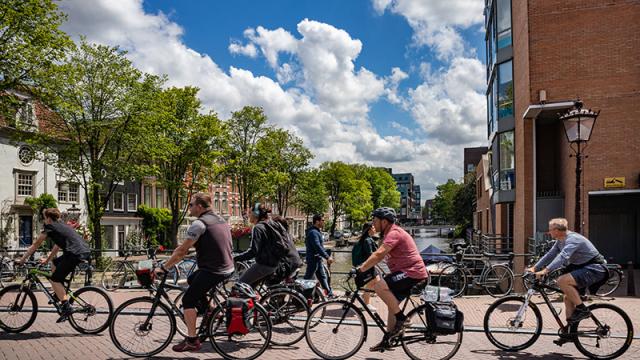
x=337, y=329
x=92, y=307
x=145, y=326
x=121, y=274
x=514, y=323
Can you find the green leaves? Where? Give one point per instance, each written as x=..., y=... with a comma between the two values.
x=455, y=202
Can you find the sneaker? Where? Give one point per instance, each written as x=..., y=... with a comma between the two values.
x=382, y=346
x=187, y=345
x=579, y=315
x=397, y=329
x=65, y=313
x=332, y=296
x=564, y=337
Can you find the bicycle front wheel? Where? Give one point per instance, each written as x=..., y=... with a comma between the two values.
x=335, y=330
x=454, y=278
x=607, y=334
x=498, y=281
x=236, y=346
x=137, y=331
x=116, y=276
x=92, y=310
x=510, y=326
x=18, y=308
x=288, y=312
x=419, y=341
x=612, y=284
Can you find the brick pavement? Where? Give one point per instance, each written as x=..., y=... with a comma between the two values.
x=45, y=335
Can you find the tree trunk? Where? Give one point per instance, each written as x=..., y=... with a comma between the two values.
x=173, y=231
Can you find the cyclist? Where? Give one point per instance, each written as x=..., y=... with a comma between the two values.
x=211, y=236
x=75, y=250
x=263, y=247
x=315, y=254
x=291, y=262
x=406, y=266
x=361, y=251
x=583, y=267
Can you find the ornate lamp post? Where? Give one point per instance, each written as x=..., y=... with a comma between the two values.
x=578, y=125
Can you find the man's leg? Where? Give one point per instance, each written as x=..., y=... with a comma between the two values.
x=310, y=272
x=569, y=288
x=322, y=277
x=382, y=289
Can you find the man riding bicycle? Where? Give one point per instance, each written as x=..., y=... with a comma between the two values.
x=407, y=269
x=75, y=250
x=582, y=263
x=211, y=236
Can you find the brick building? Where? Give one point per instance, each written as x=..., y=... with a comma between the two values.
x=541, y=57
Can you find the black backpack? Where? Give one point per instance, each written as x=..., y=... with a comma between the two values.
x=278, y=239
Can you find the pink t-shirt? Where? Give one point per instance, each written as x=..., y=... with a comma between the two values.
x=404, y=255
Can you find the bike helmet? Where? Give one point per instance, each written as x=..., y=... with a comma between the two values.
x=243, y=290
x=385, y=213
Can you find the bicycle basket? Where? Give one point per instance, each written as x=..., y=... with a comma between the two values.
x=145, y=277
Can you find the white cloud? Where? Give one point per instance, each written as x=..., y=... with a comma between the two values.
x=392, y=81
x=246, y=50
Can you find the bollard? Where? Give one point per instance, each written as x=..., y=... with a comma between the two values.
x=631, y=283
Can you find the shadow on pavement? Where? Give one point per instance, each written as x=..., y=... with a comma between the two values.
x=522, y=355
x=36, y=335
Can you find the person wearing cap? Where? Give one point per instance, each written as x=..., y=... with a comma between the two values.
x=407, y=269
x=315, y=254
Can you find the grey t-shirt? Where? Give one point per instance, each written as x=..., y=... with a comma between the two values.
x=196, y=229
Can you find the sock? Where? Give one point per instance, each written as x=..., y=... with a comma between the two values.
x=400, y=316
x=581, y=307
x=192, y=339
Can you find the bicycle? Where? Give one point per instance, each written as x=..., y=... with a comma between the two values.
x=19, y=306
x=150, y=322
x=496, y=279
x=514, y=323
x=121, y=274
x=337, y=329
x=610, y=286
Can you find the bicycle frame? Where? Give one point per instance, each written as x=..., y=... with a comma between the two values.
x=32, y=278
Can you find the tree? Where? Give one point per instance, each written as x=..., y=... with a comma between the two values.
x=311, y=196
x=284, y=158
x=443, y=207
x=154, y=222
x=383, y=187
x=245, y=128
x=185, y=146
x=464, y=202
x=101, y=104
x=30, y=40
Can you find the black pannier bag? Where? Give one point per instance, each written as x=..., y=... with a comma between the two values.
x=444, y=318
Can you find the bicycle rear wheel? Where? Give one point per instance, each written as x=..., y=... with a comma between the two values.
x=454, y=278
x=498, y=281
x=92, y=310
x=607, y=334
x=335, y=330
x=129, y=333
x=288, y=312
x=248, y=346
x=420, y=343
x=508, y=331
x=116, y=276
x=18, y=308
x=612, y=284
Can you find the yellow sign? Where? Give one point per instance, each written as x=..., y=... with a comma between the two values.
x=614, y=182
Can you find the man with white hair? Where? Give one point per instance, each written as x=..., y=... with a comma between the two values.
x=583, y=266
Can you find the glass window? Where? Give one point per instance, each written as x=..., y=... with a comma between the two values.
x=147, y=195
x=132, y=202
x=507, y=161
x=108, y=236
x=63, y=190
x=25, y=184
x=504, y=23
x=118, y=201
x=73, y=192
x=505, y=89
x=159, y=198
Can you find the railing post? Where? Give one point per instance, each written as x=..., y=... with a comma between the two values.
x=631, y=283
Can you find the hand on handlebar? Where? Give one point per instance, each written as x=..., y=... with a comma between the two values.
x=353, y=272
x=43, y=260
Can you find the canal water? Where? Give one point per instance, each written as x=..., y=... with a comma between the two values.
x=423, y=238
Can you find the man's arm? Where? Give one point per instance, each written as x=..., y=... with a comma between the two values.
x=52, y=254
x=563, y=258
x=375, y=258
x=548, y=257
x=41, y=238
x=317, y=243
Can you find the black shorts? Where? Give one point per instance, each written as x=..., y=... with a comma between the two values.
x=65, y=265
x=200, y=282
x=400, y=284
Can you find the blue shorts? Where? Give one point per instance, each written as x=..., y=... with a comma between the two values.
x=588, y=275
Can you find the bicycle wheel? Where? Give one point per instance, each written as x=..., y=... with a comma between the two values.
x=612, y=284
x=288, y=312
x=335, y=330
x=508, y=331
x=92, y=310
x=129, y=333
x=248, y=346
x=498, y=281
x=116, y=275
x=607, y=334
x=185, y=267
x=420, y=343
x=18, y=308
x=454, y=278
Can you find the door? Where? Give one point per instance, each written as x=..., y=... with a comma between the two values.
x=614, y=226
x=25, y=231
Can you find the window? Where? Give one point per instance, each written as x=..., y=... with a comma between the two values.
x=132, y=202
x=25, y=184
x=507, y=161
x=26, y=155
x=108, y=236
x=505, y=89
x=26, y=116
x=504, y=23
x=68, y=192
x=121, y=237
x=147, y=195
x=225, y=207
x=216, y=205
x=159, y=198
x=118, y=201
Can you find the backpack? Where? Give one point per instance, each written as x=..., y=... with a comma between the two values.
x=362, y=250
x=239, y=313
x=444, y=318
x=278, y=239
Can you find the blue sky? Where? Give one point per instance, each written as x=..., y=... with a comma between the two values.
x=395, y=83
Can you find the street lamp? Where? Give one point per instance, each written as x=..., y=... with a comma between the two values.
x=578, y=125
